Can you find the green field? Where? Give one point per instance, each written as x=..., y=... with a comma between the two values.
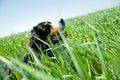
x=91, y=51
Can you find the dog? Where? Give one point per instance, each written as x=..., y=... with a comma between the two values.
x=39, y=38
x=40, y=35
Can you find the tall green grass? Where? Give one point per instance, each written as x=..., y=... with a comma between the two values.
x=91, y=51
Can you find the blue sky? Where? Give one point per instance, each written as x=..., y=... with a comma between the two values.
x=21, y=15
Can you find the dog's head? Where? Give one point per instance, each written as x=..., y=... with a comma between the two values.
x=47, y=29
x=42, y=33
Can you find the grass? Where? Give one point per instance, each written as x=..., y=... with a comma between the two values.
x=91, y=51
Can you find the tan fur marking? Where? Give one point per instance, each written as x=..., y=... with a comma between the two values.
x=53, y=31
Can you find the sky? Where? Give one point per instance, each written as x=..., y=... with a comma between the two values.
x=21, y=15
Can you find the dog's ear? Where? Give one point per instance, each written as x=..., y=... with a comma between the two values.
x=62, y=21
x=61, y=24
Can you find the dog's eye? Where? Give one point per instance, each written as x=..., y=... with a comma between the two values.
x=48, y=28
